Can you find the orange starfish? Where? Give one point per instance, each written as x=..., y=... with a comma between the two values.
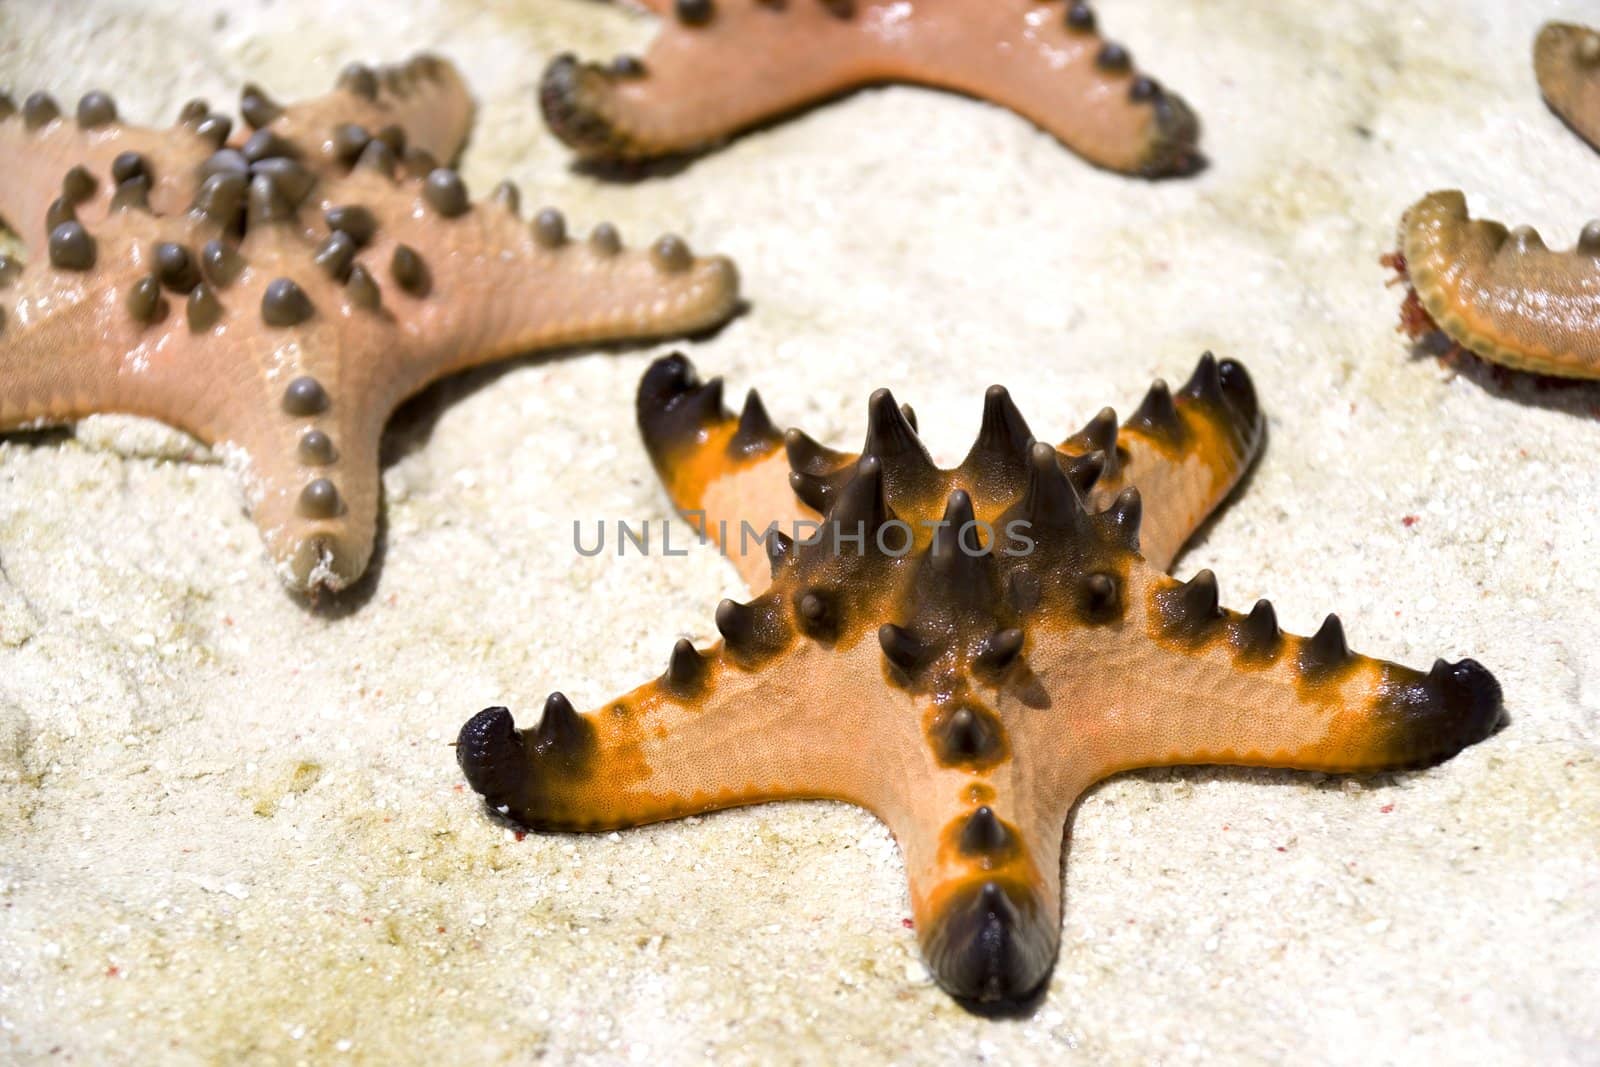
x=1566, y=60
x=963, y=652
x=1500, y=293
x=721, y=66
x=278, y=293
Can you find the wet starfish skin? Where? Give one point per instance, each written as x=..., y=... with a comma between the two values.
x=1500, y=293
x=1566, y=60
x=722, y=66
x=278, y=290
x=963, y=690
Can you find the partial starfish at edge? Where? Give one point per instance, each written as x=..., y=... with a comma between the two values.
x=1566, y=60
x=722, y=66
x=916, y=658
x=278, y=292
x=1499, y=293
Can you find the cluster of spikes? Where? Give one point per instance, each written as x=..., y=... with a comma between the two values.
x=674, y=408
x=969, y=584
x=264, y=181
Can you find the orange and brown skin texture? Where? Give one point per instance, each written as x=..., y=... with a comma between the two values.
x=1566, y=60
x=722, y=66
x=967, y=691
x=277, y=290
x=1500, y=293
x=734, y=474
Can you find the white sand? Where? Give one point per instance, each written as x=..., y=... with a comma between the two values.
x=233, y=828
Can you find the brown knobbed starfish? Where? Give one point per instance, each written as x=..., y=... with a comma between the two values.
x=966, y=675
x=721, y=66
x=277, y=293
x=1498, y=293
x=1566, y=60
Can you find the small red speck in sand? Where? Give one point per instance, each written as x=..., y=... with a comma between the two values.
x=458, y=787
x=1386, y=809
x=519, y=834
x=908, y=924
x=113, y=970
x=1409, y=521
x=441, y=929
x=1225, y=826
x=1282, y=848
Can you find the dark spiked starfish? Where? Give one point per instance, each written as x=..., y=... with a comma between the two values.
x=277, y=293
x=963, y=652
x=721, y=66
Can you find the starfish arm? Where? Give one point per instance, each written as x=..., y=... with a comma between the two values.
x=1184, y=451
x=772, y=58
x=1501, y=293
x=727, y=474
x=983, y=856
x=1566, y=60
x=713, y=732
x=471, y=283
x=419, y=109
x=1177, y=680
x=42, y=144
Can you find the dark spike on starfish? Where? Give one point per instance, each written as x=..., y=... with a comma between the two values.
x=774, y=58
x=127, y=166
x=1000, y=649
x=257, y=108
x=70, y=247
x=901, y=647
x=755, y=434
x=444, y=191
x=1157, y=415
x=670, y=254
x=95, y=109
x=686, y=669
x=1256, y=635
x=1325, y=651
x=1001, y=449
x=354, y=220
x=1101, y=598
x=39, y=109
x=144, y=301
x=362, y=289
x=550, y=228
x=220, y=262
x=409, y=271
x=176, y=267
x=336, y=255
x=1191, y=611
x=984, y=834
